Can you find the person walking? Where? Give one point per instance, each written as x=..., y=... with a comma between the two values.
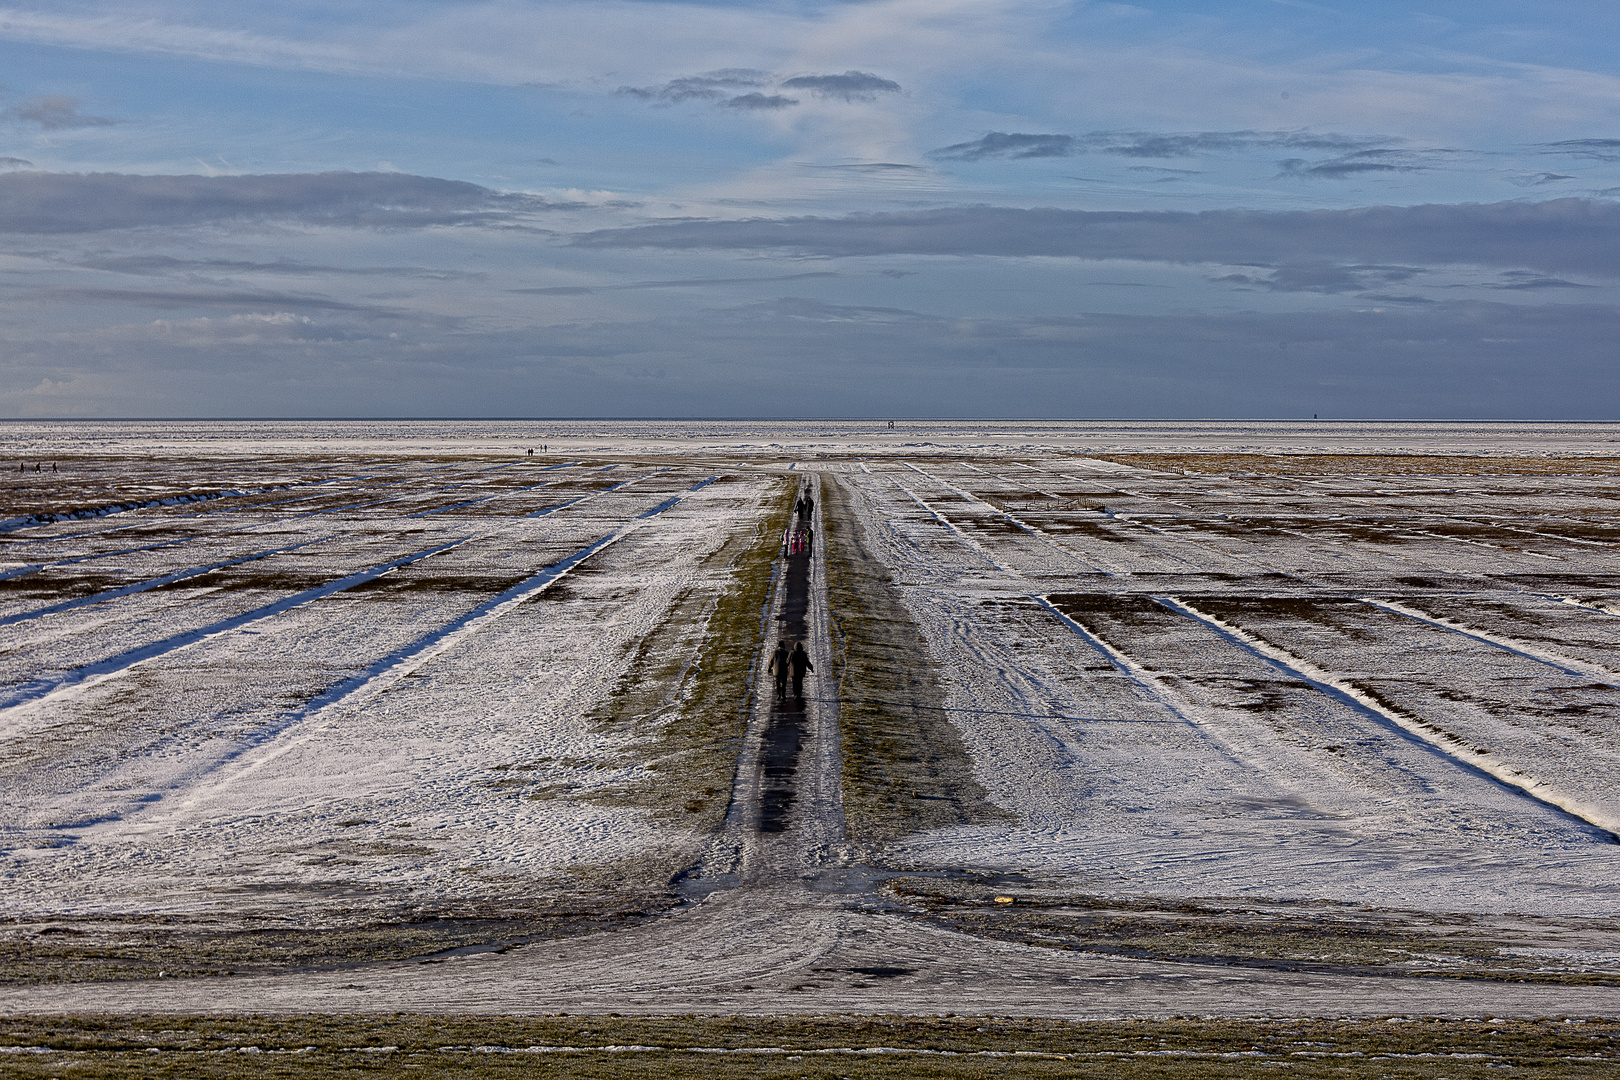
x=778, y=667
x=799, y=661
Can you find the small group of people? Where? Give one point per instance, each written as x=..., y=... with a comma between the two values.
x=800, y=541
x=787, y=664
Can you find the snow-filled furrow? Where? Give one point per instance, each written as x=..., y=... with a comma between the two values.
x=1124, y=664
x=13, y=524
x=1567, y=664
x=154, y=583
x=218, y=763
x=966, y=540
x=1513, y=773
x=1090, y=565
x=515, y=691
x=28, y=698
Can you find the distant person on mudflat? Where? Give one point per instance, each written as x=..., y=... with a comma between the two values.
x=800, y=663
x=778, y=667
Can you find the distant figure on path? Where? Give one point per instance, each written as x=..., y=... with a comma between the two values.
x=778, y=667
x=800, y=663
x=809, y=535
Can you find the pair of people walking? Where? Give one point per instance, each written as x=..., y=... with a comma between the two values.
x=787, y=664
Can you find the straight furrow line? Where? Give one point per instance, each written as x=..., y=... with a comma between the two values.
x=1443, y=742
x=1581, y=669
x=1143, y=678
x=943, y=520
x=1038, y=533
x=390, y=669
x=123, y=508
x=154, y=583
x=1589, y=605
x=30, y=695
x=595, y=494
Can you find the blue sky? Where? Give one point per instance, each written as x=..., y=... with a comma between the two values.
x=1260, y=208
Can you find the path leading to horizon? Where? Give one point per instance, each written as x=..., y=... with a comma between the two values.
x=775, y=926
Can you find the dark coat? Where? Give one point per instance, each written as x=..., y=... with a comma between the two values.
x=800, y=662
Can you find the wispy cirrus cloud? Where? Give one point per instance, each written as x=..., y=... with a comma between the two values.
x=1140, y=144
x=32, y=202
x=1593, y=149
x=681, y=283
x=757, y=101
x=1359, y=163
x=709, y=86
x=1570, y=234
x=1322, y=277
x=169, y=266
x=1538, y=179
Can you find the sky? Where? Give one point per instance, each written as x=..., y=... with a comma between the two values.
x=870, y=208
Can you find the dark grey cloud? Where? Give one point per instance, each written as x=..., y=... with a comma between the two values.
x=1538, y=179
x=54, y=112
x=1559, y=235
x=167, y=266
x=757, y=101
x=1462, y=359
x=684, y=283
x=1012, y=145
x=710, y=86
x=233, y=300
x=850, y=86
x=34, y=202
x=875, y=168
x=1411, y=359
x=1382, y=160
x=721, y=88
x=15, y=163
x=1594, y=149
x=1321, y=277
x=1529, y=279
x=1142, y=144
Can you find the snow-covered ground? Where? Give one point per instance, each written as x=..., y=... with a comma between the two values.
x=351, y=669
x=278, y=702
x=1382, y=689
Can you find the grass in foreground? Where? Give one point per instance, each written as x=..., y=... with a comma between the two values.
x=722, y=1048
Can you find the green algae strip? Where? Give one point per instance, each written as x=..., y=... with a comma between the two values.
x=721, y=1048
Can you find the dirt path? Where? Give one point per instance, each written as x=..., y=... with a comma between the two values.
x=777, y=925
